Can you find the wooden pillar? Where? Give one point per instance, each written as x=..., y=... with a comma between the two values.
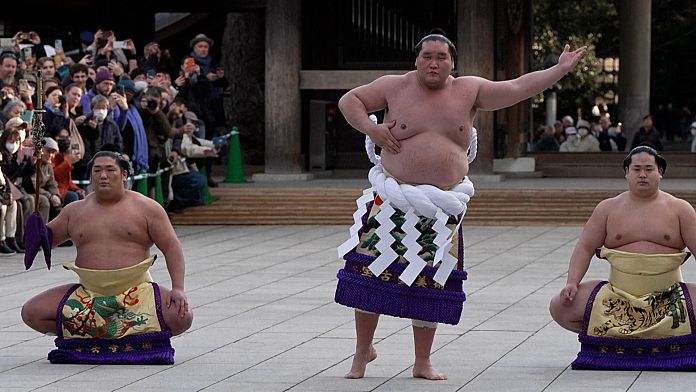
x=476, y=56
x=513, y=46
x=282, y=89
x=634, y=66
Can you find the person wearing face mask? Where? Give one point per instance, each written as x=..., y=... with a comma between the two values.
x=99, y=133
x=20, y=125
x=104, y=85
x=158, y=131
x=570, y=144
x=11, y=209
x=587, y=142
x=8, y=212
x=156, y=124
x=15, y=164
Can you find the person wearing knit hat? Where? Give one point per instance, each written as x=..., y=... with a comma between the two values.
x=104, y=85
x=126, y=85
x=102, y=75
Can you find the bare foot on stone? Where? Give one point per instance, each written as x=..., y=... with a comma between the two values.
x=357, y=370
x=427, y=371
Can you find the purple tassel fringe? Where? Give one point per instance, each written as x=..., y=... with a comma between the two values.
x=441, y=305
x=147, y=349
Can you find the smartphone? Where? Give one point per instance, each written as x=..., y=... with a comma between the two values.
x=119, y=44
x=23, y=84
x=121, y=90
x=188, y=64
x=218, y=140
x=58, y=44
x=26, y=52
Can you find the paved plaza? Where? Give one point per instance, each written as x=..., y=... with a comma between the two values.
x=265, y=320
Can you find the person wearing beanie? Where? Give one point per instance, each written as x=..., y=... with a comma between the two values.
x=104, y=85
x=102, y=75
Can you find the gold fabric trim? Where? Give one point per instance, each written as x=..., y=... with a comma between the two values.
x=113, y=282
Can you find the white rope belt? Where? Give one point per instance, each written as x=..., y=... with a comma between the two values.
x=417, y=201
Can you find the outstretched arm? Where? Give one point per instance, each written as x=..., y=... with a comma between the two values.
x=592, y=237
x=497, y=95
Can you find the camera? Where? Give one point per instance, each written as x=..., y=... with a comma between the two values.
x=152, y=104
x=61, y=99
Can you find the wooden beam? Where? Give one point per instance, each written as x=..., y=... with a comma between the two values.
x=339, y=80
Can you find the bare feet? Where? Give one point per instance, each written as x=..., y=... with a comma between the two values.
x=357, y=370
x=423, y=369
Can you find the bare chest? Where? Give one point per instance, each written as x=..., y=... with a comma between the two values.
x=112, y=225
x=659, y=226
x=444, y=113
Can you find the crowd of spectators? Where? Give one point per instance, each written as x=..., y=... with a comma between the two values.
x=582, y=136
x=599, y=134
x=106, y=95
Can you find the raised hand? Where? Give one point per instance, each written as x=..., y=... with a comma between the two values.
x=568, y=60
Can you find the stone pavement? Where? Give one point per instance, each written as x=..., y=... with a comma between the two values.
x=265, y=320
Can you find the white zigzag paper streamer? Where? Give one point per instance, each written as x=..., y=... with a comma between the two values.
x=443, y=237
x=446, y=265
x=354, y=240
x=448, y=262
x=387, y=254
x=410, y=240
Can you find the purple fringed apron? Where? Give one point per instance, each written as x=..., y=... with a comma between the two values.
x=424, y=299
x=653, y=330
x=113, y=323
